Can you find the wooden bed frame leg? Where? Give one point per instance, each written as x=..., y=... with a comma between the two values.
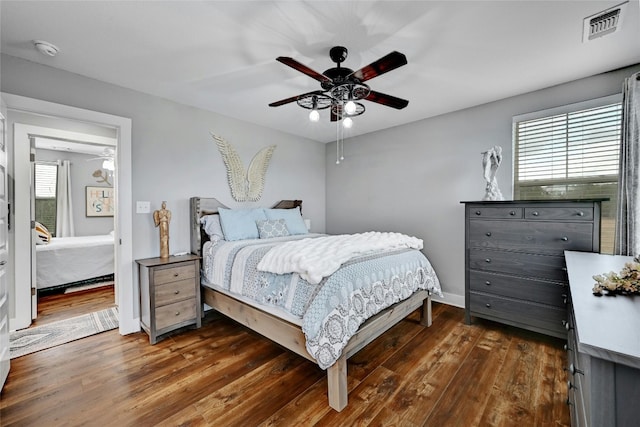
x=425, y=315
x=337, y=382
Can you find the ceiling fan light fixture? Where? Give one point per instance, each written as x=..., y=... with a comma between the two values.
x=350, y=107
x=347, y=122
x=314, y=116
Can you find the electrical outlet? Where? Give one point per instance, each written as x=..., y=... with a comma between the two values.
x=143, y=207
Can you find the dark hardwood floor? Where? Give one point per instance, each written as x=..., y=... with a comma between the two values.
x=450, y=374
x=59, y=306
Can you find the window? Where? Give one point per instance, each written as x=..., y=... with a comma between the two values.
x=571, y=153
x=46, y=177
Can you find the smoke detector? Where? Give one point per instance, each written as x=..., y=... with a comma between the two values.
x=46, y=48
x=606, y=22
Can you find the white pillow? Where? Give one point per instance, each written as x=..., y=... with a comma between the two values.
x=211, y=225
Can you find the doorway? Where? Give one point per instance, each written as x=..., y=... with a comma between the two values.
x=22, y=295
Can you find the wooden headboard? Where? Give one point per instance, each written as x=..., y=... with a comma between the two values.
x=201, y=206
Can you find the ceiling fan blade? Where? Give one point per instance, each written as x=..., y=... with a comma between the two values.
x=294, y=98
x=303, y=68
x=388, y=100
x=381, y=66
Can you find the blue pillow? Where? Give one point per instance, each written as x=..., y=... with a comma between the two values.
x=240, y=224
x=292, y=217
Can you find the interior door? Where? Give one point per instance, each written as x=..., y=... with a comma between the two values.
x=4, y=253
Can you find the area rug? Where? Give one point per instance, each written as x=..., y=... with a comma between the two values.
x=50, y=335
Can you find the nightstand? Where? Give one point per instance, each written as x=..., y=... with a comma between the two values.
x=169, y=294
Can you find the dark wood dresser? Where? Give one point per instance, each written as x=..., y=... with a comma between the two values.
x=515, y=268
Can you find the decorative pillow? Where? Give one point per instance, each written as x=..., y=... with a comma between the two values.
x=269, y=228
x=43, y=236
x=240, y=224
x=211, y=225
x=292, y=217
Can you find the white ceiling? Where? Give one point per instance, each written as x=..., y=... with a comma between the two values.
x=220, y=55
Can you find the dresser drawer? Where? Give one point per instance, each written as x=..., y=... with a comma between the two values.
x=553, y=213
x=510, y=310
x=540, y=291
x=173, y=314
x=531, y=236
x=174, y=273
x=174, y=291
x=495, y=212
x=549, y=267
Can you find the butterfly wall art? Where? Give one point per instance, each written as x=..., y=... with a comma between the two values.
x=246, y=184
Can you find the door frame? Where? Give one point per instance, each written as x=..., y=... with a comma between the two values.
x=127, y=305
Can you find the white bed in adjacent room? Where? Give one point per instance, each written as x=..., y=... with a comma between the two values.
x=73, y=259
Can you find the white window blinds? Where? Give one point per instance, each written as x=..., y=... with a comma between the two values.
x=46, y=179
x=569, y=146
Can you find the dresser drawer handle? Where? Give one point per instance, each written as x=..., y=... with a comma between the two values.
x=580, y=213
x=478, y=213
x=176, y=274
x=487, y=260
x=488, y=283
x=488, y=233
x=564, y=238
x=177, y=313
x=177, y=291
x=512, y=213
x=535, y=213
x=488, y=305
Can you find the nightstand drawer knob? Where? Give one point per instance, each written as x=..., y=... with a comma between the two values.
x=488, y=233
x=177, y=313
x=512, y=213
x=176, y=274
x=535, y=213
x=488, y=283
x=177, y=291
x=488, y=305
x=564, y=238
x=487, y=260
x=478, y=213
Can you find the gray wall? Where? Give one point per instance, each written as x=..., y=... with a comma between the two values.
x=173, y=154
x=412, y=178
x=82, y=168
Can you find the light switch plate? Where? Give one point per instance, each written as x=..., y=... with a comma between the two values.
x=143, y=207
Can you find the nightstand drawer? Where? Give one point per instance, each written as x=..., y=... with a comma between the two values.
x=175, y=313
x=174, y=291
x=173, y=274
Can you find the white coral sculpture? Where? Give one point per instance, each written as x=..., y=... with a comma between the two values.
x=246, y=185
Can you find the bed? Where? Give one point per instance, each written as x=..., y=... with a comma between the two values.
x=70, y=260
x=303, y=311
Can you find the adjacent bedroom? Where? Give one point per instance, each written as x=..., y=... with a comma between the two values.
x=74, y=228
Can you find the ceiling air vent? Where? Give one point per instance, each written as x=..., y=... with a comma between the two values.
x=603, y=23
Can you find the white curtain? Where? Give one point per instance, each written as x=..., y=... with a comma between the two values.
x=64, y=221
x=628, y=213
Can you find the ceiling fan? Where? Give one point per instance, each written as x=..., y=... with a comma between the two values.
x=342, y=87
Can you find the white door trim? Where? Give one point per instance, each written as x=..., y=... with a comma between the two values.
x=127, y=305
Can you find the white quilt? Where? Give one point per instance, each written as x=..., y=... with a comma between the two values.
x=314, y=259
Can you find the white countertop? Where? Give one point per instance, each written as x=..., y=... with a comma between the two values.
x=608, y=327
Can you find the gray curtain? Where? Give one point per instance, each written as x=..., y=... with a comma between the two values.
x=627, y=240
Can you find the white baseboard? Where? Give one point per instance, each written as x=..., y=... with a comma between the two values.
x=450, y=299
